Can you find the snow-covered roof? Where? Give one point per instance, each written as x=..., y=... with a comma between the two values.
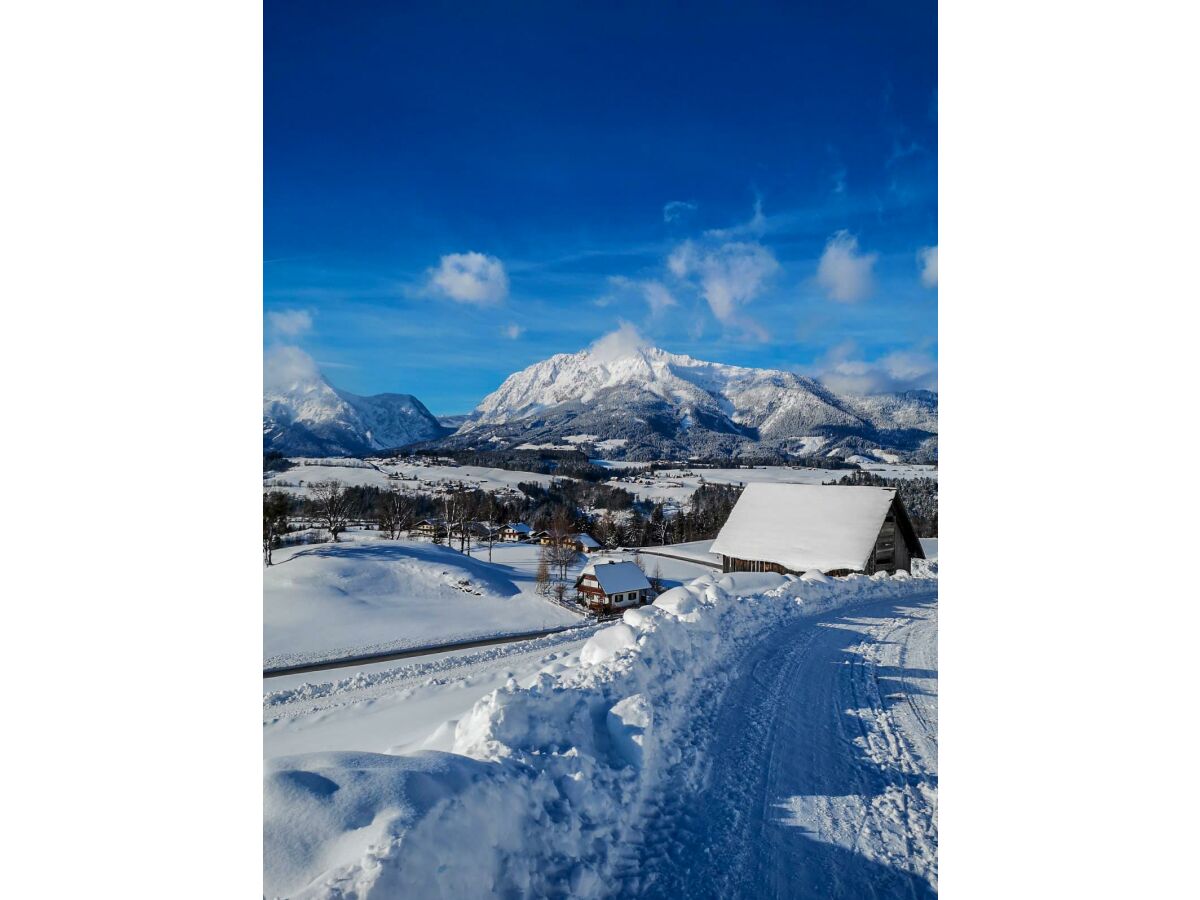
x=588, y=541
x=805, y=526
x=616, y=577
x=520, y=527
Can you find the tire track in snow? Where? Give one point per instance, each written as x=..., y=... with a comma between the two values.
x=822, y=781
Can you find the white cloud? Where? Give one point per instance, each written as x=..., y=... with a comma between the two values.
x=286, y=367
x=677, y=209
x=754, y=227
x=619, y=344
x=927, y=257
x=289, y=322
x=513, y=331
x=470, y=278
x=730, y=276
x=901, y=370
x=844, y=272
x=657, y=296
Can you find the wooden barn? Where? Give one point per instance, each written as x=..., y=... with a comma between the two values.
x=834, y=529
x=608, y=585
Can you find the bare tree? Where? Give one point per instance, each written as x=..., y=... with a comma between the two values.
x=331, y=506
x=275, y=510
x=543, y=574
x=396, y=511
x=457, y=518
x=656, y=580
x=560, y=554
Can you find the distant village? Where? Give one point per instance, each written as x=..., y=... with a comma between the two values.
x=860, y=523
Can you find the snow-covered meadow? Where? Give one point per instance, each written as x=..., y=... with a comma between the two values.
x=367, y=594
x=417, y=476
x=370, y=595
x=555, y=779
x=676, y=486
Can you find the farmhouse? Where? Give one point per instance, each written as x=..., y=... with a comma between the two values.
x=515, y=531
x=608, y=585
x=429, y=528
x=585, y=543
x=834, y=529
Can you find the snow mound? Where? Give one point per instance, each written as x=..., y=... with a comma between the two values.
x=561, y=772
x=607, y=644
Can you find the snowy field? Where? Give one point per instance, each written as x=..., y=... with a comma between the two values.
x=676, y=486
x=663, y=486
x=745, y=730
x=700, y=551
x=427, y=479
x=366, y=594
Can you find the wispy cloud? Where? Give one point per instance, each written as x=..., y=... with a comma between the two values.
x=676, y=210
x=619, y=344
x=513, y=331
x=845, y=370
x=657, y=296
x=755, y=226
x=927, y=259
x=846, y=274
x=289, y=323
x=469, y=278
x=730, y=275
x=285, y=367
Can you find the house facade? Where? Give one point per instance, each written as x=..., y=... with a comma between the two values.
x=606, y=586
x=515, y=531
x=428, y=528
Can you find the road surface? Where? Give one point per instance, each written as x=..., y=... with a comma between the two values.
x=823, y=778
x=428, y=650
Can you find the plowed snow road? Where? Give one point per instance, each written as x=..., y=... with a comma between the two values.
x=823, y=778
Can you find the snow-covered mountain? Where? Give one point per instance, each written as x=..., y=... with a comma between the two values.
x=643, y=402
x=307, y=416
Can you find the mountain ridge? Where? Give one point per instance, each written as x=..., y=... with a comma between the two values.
x=308, y=416
x=644, y=402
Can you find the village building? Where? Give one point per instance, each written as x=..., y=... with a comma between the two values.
x=428, y=528
x=606, y=585
x=515, y=531
x=585, y=543
x=833, y=529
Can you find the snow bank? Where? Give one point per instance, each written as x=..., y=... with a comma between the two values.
x=560, y=772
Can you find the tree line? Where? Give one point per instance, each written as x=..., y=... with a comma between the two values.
x=919, y=496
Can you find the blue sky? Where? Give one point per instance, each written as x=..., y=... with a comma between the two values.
x=455, y=191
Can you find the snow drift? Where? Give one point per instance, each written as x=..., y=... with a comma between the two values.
x=547, y=785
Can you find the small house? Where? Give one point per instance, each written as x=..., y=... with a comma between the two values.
x=608, y=585
x=585, y=543
x=428, y=528
x=834, y=529
x=515, y=531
